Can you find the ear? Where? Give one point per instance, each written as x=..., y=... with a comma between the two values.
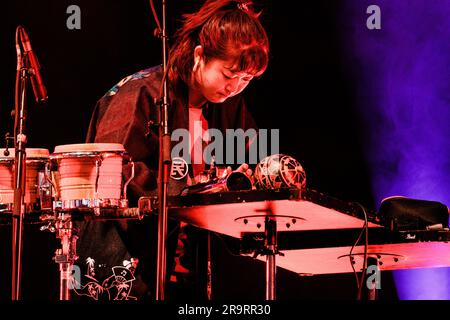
x=198, y=55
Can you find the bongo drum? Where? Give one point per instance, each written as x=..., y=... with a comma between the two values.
x=37, y=195
x=90, y=175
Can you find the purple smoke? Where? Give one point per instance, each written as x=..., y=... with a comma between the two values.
x=402, y=76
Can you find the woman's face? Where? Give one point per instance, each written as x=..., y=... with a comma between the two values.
x=217, y=80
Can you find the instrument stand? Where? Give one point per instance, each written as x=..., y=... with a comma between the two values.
x=208, y=268
x=164, y=164
x=66, y=255
x=270, y=246
x=27, y=69
x=270, y=250
x=19, y=184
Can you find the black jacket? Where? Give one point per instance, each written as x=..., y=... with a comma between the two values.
x=121, y=116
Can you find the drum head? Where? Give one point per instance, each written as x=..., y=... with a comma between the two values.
x=31, y=153
x=89, y=147
x=37, y=153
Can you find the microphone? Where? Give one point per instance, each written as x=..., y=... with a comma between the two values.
x=40, y=92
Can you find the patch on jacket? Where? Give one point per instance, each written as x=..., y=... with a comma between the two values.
x=137, y=76
x=115, y=287
x=179, y=168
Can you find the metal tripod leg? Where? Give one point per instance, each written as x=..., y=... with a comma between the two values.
x=65, y=256
x=270, y=248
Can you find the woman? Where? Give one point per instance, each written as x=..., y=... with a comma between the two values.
x=217, y=52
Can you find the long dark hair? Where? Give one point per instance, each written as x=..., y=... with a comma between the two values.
x=226, y=30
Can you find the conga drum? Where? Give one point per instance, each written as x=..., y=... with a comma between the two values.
x=90, y=175
x=37, y=195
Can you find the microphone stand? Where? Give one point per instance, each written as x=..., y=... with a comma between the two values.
x=19, y=182
x=163, y=167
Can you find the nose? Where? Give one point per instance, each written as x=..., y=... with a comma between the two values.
x=232, y=86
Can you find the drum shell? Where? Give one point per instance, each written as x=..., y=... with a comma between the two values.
x=76, y=178
x=35, y=177
x=89, y=175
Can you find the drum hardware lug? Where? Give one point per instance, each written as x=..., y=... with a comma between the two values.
x=7, y=139
x=125, y=186
x=98, y=163
x=45, y=196
x=47, y=177
x=148, y=205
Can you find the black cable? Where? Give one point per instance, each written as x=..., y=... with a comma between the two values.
x=351, y=256
x=360, y=282
x=365, y=229
x=366, y=247
x=225, y=244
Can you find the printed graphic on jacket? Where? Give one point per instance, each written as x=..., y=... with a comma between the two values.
x=115, y=287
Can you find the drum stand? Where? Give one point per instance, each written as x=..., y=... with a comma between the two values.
x=66, y=255
x=19, y=186
x=269, y=249
x=270, y=246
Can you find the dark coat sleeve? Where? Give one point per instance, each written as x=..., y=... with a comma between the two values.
x=123, y=118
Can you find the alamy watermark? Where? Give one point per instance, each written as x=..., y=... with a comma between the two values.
x=73, y=21
x=236, y=146
x=374, y=277
x=374, y=20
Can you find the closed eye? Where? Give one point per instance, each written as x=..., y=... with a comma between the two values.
x=246, y=79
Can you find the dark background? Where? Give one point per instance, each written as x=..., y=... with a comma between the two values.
x=306, y=93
